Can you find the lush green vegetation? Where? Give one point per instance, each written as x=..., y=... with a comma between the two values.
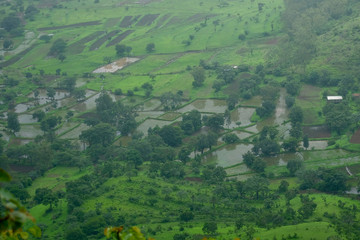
x=210, y=119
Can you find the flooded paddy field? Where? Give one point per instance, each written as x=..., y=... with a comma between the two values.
x=228, y=155
x=318, y=145
x=240, y=117
x=75, y=133
x=150, y=105
x=170, y=116
x=331, y=157
x=26, y=119
x=151, y=123
x=29, y=131
x=206, y=105
x=317, y=131
x=66, y=127
x=144, y=115
x=242, y=135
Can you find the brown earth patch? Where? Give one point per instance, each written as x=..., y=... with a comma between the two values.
x=84, y=24
x=193, y=179
x=355, y=138
x=147, y=20
x=103, y=39
x=119, y=38
x=317, y=131
x=21, y=168
x=79, y=46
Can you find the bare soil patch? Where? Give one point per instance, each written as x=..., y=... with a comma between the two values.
x=147, y=20
x=317, y=131
x=126, y=22
x=84, y=24
x=79, y=46
x=103, y=39
x=21, y=168
x=355, y=138
x=115, y=66
x=193, y=179
x=119, y=38
x=17, y=57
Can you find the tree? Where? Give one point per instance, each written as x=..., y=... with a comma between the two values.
x=7, y=43
x=13, y=122
x=45, y=196
x=13, y=214
x=61, y=57
x=210, y=227
x=199, y=76
x=186, y=216
x=172, y=170
x=257, y=185
x=49, y=123
x=50, y=92
x=150, y=47
x=120, y=50
x=307, y=208
x=231, y=138
x=290, y=144
x=170, y=100
x=215, y=122
x=102, y=133
x=58, y=47
x=79, y=94
x=266, y=109
x=337, y=116
x=296, y=115
x=39, y=114
x=10, y=22
x=191, y=122
x=306, y=142
x=283, y=187
x=294, y=165
x=75, y=233
x=171, y=135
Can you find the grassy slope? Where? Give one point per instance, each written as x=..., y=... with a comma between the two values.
x=221, y=45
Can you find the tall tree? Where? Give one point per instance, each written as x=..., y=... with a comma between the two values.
x=13, y=122
x=199, y=76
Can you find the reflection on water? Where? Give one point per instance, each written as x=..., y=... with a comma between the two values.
x=318, y=145
x=20, y=108
x=282, y=159
x=334, y=156
x=26, y=118
x=151, y=123
x=87, y=104
x=228, y=155
x=29, y=131
x=151, y=105
x=240, y=117
x=206, y=105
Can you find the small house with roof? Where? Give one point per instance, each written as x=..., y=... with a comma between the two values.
x=334, y=99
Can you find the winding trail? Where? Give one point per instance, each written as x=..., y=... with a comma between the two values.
x=348, y=171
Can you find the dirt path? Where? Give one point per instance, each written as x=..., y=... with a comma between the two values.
x=348, y=171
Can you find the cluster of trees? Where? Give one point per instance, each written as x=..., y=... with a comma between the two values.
x=303, y=21
x=58, y=49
